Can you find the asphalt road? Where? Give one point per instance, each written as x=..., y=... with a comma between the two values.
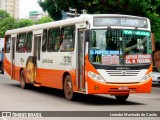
x=13, y=98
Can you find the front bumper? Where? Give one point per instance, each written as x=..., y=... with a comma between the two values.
x=95, y=87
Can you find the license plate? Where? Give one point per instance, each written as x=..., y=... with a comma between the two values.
x=123, y=88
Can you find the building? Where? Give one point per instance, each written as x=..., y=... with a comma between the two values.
x=36, y=15
x=11, y=7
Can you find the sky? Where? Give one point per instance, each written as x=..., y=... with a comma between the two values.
x=26, y=6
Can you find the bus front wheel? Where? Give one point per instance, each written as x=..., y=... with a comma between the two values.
x=23, y=80
x=68, y=88
x=122, y=98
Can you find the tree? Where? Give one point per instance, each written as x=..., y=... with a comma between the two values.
x=3, y=14
x=52, y=8
x=146, y=8
x=6, y=22
x=44, y=20
x=134, y=7
x=23, y=23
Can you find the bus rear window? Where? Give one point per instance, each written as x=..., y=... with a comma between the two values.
x=8, y=44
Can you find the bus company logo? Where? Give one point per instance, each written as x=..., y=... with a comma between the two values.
x=47, y=60
x=123, y=72
x=123, y=68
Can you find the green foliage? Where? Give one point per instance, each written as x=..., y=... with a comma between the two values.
x=23, y=23
x=44, y=20
x=146, y=8
x=6, y=22
x=3, y=14
x=52, y=8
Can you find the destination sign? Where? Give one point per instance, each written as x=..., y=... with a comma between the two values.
x=138, y=32
x=120, y=21
x=105, y=52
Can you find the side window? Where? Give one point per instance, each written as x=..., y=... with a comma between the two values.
x=21, y=43
x=68, y=39
x=44, y=41
x=29, y=42
x=8, y=43
x=54, y=39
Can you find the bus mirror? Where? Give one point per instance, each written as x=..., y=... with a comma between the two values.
x=87, y=35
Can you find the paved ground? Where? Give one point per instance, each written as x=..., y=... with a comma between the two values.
x=13, y=98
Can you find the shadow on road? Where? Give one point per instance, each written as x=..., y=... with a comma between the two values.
x=80, y=98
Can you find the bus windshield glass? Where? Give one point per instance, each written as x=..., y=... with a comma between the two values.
x=120, y=47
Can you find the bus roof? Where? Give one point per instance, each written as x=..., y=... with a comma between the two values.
x=65, y=22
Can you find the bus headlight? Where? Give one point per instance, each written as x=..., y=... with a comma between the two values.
x=95, y=76
x=146, y=77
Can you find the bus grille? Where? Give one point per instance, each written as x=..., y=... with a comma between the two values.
x=122, y=72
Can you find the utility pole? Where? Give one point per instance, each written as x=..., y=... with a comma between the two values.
x=73, y=13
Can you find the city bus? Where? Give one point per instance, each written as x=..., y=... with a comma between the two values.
x=89, y=54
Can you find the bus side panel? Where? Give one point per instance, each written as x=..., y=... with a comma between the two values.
x=50, y=73
x=7, y=67
x=17, y=73
x=53, y=78
x=49, y=78
x=7, y=64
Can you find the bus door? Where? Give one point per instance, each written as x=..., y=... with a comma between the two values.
x=13, y=43
x=37, y=52
x=81, y=59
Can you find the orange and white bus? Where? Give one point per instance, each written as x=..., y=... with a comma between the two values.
x=89, y=54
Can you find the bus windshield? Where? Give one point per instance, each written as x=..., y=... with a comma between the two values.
x=120, y=47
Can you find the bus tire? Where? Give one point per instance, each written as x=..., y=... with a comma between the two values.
x=23, y=83
x=122, y=98
x=68, y=88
